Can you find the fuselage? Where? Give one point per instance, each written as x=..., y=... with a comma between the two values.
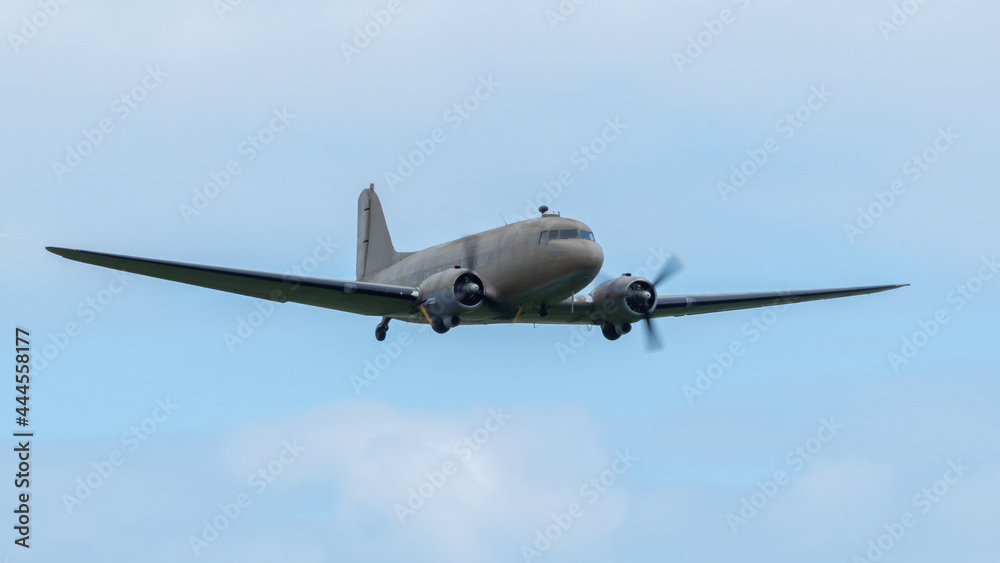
x=519, y=265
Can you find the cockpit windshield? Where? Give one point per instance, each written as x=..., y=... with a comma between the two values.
x=546, y=236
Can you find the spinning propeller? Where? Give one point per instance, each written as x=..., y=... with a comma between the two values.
x=672, y=266
x=641, y=295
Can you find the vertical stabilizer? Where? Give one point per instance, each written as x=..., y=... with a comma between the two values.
x=375, y=251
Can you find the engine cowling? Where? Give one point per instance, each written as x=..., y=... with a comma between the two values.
x=449, y=294
x=625, y=299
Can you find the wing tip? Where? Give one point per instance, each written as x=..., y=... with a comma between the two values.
x=69, y=253
x=888, y=287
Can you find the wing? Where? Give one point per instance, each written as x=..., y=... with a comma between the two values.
x=583, y=309
x=680, y=305
x=363, y=298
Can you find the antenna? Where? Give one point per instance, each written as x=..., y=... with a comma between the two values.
x=502, y=219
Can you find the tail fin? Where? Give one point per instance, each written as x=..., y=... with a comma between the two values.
x=375, y=251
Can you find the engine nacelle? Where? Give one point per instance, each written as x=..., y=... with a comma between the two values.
x=451, y=293
x=626, y=299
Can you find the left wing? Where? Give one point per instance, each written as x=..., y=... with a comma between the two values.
x=363, y=298
x=680, y=305
x=582, y=309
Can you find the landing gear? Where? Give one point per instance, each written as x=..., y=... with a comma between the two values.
x=609, y=332
x=613, y=331
x=438, y=325
x=543, y=311
x=442, y=326
x=382, y=329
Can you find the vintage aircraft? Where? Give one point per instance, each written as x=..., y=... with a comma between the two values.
x=528, y=272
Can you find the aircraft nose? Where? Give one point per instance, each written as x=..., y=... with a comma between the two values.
x=590, y=257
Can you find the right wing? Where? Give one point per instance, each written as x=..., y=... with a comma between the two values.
x=363, y=298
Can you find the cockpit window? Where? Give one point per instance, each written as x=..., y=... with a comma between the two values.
x=546, y=236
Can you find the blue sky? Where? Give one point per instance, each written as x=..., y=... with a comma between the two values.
x=819, y=421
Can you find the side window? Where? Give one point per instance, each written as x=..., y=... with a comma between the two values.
x=438, y=270
x=587, y=235
x=427, y=274
x=544, y=238
x=553, y=235
x=489, y=258
x=413, y=279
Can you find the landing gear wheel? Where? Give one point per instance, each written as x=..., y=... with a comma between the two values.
x=437, y=323
x=381, y=330
x=613, y=331
x=609, y=332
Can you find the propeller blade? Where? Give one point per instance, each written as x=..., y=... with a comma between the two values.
x=672, y=266
x=653, y=343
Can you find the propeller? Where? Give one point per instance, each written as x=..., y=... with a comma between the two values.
x=671, y=267
x=469, y=289
x=642, y=297
x=653, y=343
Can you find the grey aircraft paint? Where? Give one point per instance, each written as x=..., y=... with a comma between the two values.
x=526, y=272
